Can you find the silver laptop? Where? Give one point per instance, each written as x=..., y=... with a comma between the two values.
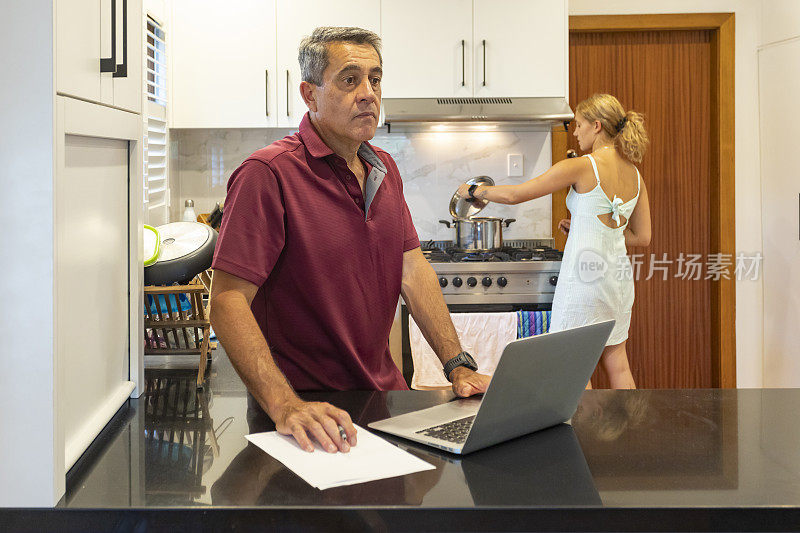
x=538, y=383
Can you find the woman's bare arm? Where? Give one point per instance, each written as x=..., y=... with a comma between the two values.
x=560, y=176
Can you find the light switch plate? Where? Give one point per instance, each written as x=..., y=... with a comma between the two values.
x=514, y=165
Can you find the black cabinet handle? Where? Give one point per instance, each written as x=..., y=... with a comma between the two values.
x=462, y=63
x=484, y=62
x=287, y=93
x=109, y=64
x=122, y=70
x=266, y=90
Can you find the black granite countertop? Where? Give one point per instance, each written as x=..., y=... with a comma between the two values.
x=631, y=460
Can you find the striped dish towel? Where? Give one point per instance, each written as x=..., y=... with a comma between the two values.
x=530, y=323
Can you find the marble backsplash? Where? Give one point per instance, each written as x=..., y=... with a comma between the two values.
x=432, y=165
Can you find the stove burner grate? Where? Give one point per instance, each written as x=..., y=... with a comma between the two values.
x=435, y=254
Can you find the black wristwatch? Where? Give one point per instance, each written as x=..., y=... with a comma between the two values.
x=462, y=359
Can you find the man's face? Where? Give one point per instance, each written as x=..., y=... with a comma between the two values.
x=348, y=101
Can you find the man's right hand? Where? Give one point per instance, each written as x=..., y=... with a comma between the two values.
x=317, y=420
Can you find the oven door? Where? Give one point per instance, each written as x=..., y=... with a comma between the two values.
x=408, y=363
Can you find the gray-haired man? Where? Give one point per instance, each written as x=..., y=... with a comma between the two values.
x=315, y=248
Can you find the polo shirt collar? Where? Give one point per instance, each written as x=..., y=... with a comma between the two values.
x=314, y=143
x=318, y=149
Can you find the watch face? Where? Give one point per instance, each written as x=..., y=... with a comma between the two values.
x=470, y=360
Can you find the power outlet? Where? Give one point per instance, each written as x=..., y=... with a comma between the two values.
x=515, y=165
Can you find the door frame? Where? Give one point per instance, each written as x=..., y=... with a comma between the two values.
x=722, y=171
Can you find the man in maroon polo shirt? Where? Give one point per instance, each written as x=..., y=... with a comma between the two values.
x=316, y=245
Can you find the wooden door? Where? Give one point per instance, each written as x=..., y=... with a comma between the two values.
x=667, y=75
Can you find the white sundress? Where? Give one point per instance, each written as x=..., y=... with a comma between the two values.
x=596, y=279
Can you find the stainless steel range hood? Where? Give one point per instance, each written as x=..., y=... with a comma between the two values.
x=498, y=110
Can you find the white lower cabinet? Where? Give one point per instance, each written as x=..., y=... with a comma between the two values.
x=96, y=266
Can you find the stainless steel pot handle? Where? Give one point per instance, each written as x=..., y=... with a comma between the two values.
x=445, y=222
x=507, y=222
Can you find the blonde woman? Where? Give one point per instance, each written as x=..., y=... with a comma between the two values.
x=610, y=210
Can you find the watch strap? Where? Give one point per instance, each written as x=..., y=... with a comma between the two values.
x=462, y=359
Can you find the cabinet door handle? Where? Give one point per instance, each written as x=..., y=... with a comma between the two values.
x=122, y=70
x=462, y=63
x=287, y=93
x=266, y=90
x=109, y=64
x=484, y=62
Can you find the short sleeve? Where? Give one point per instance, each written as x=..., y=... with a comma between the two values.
x=410, y=238
x=252, y=232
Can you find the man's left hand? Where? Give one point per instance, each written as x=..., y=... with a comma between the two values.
x=467, y=382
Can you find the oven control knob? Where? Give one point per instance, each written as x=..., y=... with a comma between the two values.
x=486, y=282
x=457, y=282
x=502, y=282
x=472, y=281
x=553, y=280
x=443, y=282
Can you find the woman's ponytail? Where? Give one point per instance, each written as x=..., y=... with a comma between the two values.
x=632, y=137
x=625, y=128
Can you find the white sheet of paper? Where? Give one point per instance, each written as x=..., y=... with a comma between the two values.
x=372, y=458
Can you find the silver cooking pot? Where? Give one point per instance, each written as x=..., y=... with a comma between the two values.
x=475, y=234
x=479, y=234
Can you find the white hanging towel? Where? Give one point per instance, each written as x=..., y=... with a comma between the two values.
x=483, y=335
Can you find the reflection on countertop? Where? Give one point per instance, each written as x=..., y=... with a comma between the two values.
x=180, y=447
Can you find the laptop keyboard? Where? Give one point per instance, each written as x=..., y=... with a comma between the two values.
x=455, y=431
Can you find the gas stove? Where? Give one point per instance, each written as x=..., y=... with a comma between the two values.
x=522, y=272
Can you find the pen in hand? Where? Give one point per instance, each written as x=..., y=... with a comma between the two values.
x=343, y=434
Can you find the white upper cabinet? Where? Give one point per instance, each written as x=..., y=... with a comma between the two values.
x=223, y=64
x=427, y=48
x=520, y=47
x=128, y=82
x=99, y=56
x=297, y=20
x=77, y=50
x=512, y=48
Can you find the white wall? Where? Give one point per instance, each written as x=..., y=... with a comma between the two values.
x=780, y=20
x=31, y=462
x=779, y=85
x=432, y=165
x=749, y=296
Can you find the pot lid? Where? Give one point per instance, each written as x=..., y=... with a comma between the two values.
x=464, y=208
x=179, y=239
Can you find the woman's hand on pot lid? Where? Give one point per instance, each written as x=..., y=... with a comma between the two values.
x=463, y=192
